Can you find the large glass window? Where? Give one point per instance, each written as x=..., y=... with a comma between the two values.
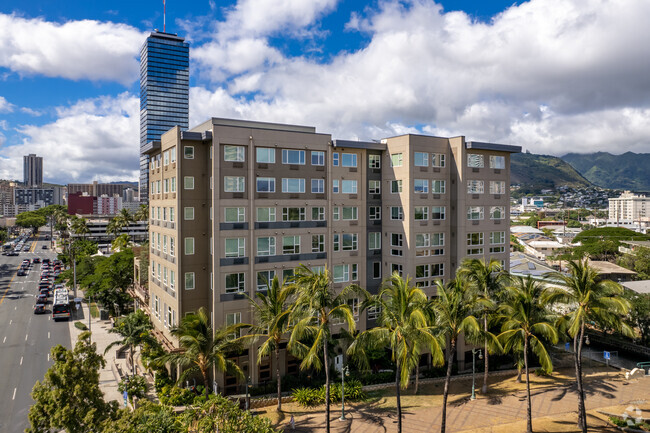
x=437, y=269
x=374, y=161
x=318, y=214
x=374, y=240
x=189, y=281
x=318, y=186
x=264, y=279
x=349, y=186
x=421, y=212
x=235, y=247
x=293, y=157
x=438, y=212
x=420, y=186
x=265, y=214
x=396, y=160
x=188, y=152
x=293, y=185
x=475, y=160
x=348, y=160
x=290, y=244
x=497, y=187
x=345, y=242
x=475, y=213
x=437, y=239
x=235, y=283
x=374, y=212
x=396, y=213
x=475, y=187
x=317, y=158
x=474, y=239
x=234, y=183
x=497, y=238
x=497, y=162
x=438, y=186
x=395, y=186
x=188, y=182
x=317, y=243
x=350, y=213
x=341, y=273
x=235, y=214
x=265, y=155
x=497, y=212
x=234, y=153
x=293, y=214
x=421, y=159
x=374, y=187
x=422, y=240
x=188, y=213
x=266, y=246
x=189, y=246
x=438, y=160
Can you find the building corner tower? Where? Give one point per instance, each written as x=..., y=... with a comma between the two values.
x=164, y=93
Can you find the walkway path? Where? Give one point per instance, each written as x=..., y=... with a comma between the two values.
x=491, y=411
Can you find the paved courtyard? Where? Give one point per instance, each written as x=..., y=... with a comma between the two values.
x=489, y=413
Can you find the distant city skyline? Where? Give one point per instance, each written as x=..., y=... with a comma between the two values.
x=552, y=76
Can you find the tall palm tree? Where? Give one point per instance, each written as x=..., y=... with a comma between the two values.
x=135, y=331
x=591, y=300
x=455, y=310
x=272, y=323
x=316, y=309
x=489, y=280
x=142, y=214
x=203, y=349
x=527, y=325
x=404, y=326
x=79, y=226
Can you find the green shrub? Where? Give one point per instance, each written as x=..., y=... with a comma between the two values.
x=307, y=397
x=314, y=396
x=80, y=325
x=618, y=421
x=219, y=414
x=135, y=386
x=161, y=379
x=174, y=396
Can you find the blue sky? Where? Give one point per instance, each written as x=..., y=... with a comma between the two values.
x=550, y=75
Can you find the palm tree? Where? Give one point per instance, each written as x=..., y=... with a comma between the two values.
x=134, y=329
x=203, y=349
x=79, y=226
x=591, y=300
x=526, y=326
x=316, y=309
x=454, y=310
x=403, y=326
x=142, y=214
x=113, y=227
x=272, y=314
x=489, y=280
x=120, y=243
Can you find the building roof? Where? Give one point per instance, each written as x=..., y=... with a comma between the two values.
x=524, y=264
x=492, y=146
x=545, y=244
x=372, y=145
x=609, y=268
x=644, y=244
x=642, y=286
x=525, y=229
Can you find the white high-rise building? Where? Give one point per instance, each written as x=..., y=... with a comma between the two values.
x=629, y=207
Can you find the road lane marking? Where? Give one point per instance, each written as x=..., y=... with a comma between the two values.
x=21, y=360
x=48, y=335
x=26, y=335
x=48, y=356
x=14, y=397
x=11, y=321
x=4, y=339
x=6, y=291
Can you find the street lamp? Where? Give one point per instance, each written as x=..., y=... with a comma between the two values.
x=345, y=371
x=480, y=356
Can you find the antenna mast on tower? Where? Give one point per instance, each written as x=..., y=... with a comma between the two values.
x=164, y=16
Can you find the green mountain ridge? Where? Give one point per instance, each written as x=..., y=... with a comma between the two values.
x=626, y=171
x=543, y=171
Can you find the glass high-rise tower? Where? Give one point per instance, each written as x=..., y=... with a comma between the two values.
x=164, y=93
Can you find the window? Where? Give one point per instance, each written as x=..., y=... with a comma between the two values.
x=396, y=240
x=290, y=244
x=474, y=240
x=374, y=240
x=394, y=267
x=234, y=153
x=317, y=158
x=437, y=269
x=189, y=246
x=475, y=213
x=438, y=186
x=354, y=304
x=158, y=243
x=374, y=187
x=172, y=279
x=396, y=160
x=349, y=186
x=396, y=213
x=265, y=214
x=497, y=250
x=188, y=213
x=235, y=214
x=166, y=186
x=172, y=154
x=294, y=157
x=421, y=186
x=497, y=187
x=336, y=213
x=497, y=162
x=497, y=238
x=318, y=214
x=287, y=274
x=188, y=152
x=264, y=279
x=266, y=246
x=437, y=239
x=341, y=273
x=171, y=246
x=421, y=212
x=349, y=213
x=265, y=184
x=335, y=186
x=374, y=161
x=345, y=242
x=233, y=319
x=335, y=159
x=188, y=182
x=497, y=212
x=376, y=270
x=374, y=212
x=234, y=183
x=421, y=159
x=348, y=160
x=438, y=212
x=395, y=186
x=173, y=184
x=293, y=185
x=235, y=283
x=171, y=214
x=317, y=243
x=235, y=247
x=318, y=269
x=475, y=187
x=475, y=160
x=374, y=312
x=422, y=240
x=438, y=159
x=293, y=214
x=265, y=155
x=318, y=186
x=166, y=157
x=189, y=280
x=422, y=271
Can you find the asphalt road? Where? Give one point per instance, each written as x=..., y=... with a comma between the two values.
x=25, y=338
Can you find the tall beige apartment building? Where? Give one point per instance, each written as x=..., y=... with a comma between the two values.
x=629, y=207
x=234, y=203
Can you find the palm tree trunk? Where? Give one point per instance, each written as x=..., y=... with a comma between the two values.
x=582, y=414
x=131, y=356
x=529, y=408
x=486, y=356
x=518, y=374
x=206, y=383
x=399, y=400
x=327, y=386
x=417, y=377
x=277, y=376
x=445, y=393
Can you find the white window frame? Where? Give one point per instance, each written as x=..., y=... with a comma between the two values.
x=349, y=186
x=241, y=214
x=188, y=213
x=241, y=247
x=234, y=184
x=267, y=181
x=240, y=286
x=190, y=276
x=266, y=154
x=424, y=159
x=270, y=249
x=239, y=153
x=293, y=185
x=287, y=152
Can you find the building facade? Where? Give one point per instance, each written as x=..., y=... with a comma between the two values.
x=39, y=197
x=629, y=207
x=32, y=170
x=234, y=203
x=164, y=92
x=98, y=189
